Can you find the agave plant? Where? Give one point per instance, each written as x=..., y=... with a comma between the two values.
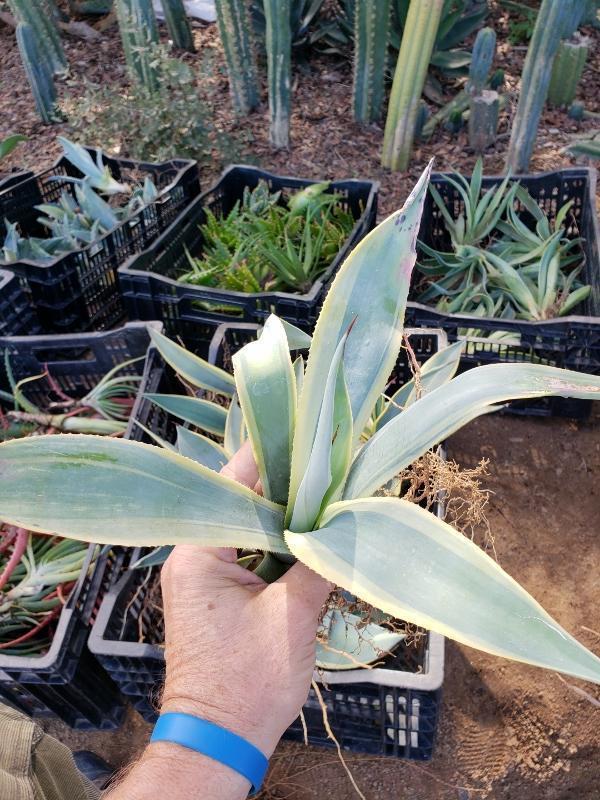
x=81, y=218
x=498, y=266
x=318, y=481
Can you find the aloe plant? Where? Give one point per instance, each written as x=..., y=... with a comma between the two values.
x=409, y=77
x=317, y=480
x=551, y=22
x=371, y=34
x=235, y=29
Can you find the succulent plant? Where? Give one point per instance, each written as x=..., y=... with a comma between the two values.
x=305, y=428
x=178, y=24
x=235, y=30
x=45, y=32
x=138, y=28
x=371, y=34
x=279, y=68
x=38, y=74
x=409, y=77
x=551, y=21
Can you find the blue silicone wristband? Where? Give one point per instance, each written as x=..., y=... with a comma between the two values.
x=215, y=742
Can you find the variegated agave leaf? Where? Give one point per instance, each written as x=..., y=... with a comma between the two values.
x=390, y=553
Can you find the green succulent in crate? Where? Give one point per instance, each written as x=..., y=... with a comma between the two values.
x=304, y=427
x=79, y=218
x=499, y=267
x=38, y=572
x=265, y=244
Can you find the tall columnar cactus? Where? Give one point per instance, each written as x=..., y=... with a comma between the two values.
x=35, y=14
x=139, y=31
x=550, y=24
x=38, y=73
x=483, y=103
x=235, y=29
x=482, y=58
x=416, y=48
x=567, y=70
x=371, y=34
x=178, y=24
x=279, y=65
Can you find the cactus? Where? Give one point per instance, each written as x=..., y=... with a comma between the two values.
x=371, y=33
x=483, y=103
x=42, y=22
x=567, y=70
x=483, y=120
x=178, y=25
x=482, y=58
x=416, y=47
x=551, y=21
x=579, y=112
x=235, y=30
x=138, y=28
x=38, y=73
x=279, y=66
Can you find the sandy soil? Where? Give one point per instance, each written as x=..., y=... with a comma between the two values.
x=507, y=731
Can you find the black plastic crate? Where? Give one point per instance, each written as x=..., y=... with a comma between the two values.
x=67, y=681
x=17, y=317
x=8, y=179
x=79, y=291
x=386, y=720
x=571, y=342
x=148, y=281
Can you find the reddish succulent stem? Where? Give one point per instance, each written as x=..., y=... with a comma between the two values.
x=19, y=548
x=8, y=535
x=56, y=388
x=30, y=634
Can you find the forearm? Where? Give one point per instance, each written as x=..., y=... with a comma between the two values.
x=170, y=772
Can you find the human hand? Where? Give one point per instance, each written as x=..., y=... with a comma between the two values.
x=239, y=652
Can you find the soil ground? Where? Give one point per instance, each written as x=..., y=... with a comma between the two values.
x=507, y=730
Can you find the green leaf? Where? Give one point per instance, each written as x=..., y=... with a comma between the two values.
x=235, y=429
x=201, y=413
x=299, y=373
x=436, y=371
x=408, y=563
x=115, y=491
x=371, y=287
x=201, y=449
x=440, y=413
x=297, y=338
x=8, y=144
x=153, y=559
x=193, y=369
x=266, y=388
x=331, y=450
x=351, y=642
